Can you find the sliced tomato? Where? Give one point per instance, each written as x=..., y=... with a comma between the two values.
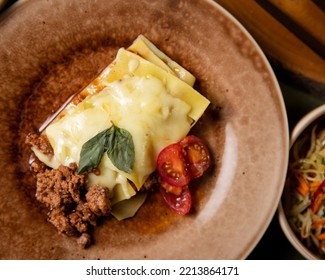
x=196, y=154
x=172, y=166
x=180, y=204
x=169, y=188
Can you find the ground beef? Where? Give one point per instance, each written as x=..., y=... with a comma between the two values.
x=97, y=198
x=151, y=181
x=36, y=165
x=84, y=240
x=58, y=218
x=60, y=188
x=40, y=142
x=74, y=208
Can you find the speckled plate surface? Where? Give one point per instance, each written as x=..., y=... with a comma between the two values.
x=51, y=49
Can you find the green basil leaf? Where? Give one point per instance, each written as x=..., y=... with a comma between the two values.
x=120, y=148
x=92, y=152
x=117, y=142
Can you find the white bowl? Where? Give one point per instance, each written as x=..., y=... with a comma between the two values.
x=298, y=130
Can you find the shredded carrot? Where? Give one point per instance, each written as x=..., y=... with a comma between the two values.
x=318, y=203
x=314, y=185
x=321, y=236
x=303, y=187
x=318, y=223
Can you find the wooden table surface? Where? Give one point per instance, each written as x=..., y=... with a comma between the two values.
x=292, y=35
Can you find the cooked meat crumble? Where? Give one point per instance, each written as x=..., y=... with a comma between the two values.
x=97, y=198
x=73, y=207
x=60, y=188
x=40, y=142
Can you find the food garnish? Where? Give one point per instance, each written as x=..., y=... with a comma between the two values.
x=196, y=154
x=180, y=204
x=116, y=142
x=177, y=165
x=172, y=166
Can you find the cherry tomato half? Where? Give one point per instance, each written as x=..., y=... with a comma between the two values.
x=172, y=166
x=180, y=204
x=196, y=154
x=169, y=188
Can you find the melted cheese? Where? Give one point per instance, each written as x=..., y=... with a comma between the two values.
x=176, y=87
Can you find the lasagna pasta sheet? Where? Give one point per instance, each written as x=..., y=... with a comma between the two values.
x=142, y=91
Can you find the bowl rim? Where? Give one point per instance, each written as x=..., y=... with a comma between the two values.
x=305, y=121
x=301, y=125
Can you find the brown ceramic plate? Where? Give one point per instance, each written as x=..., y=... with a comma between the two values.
x=51, y=49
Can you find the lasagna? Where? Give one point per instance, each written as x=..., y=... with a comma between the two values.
x=107, y=138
